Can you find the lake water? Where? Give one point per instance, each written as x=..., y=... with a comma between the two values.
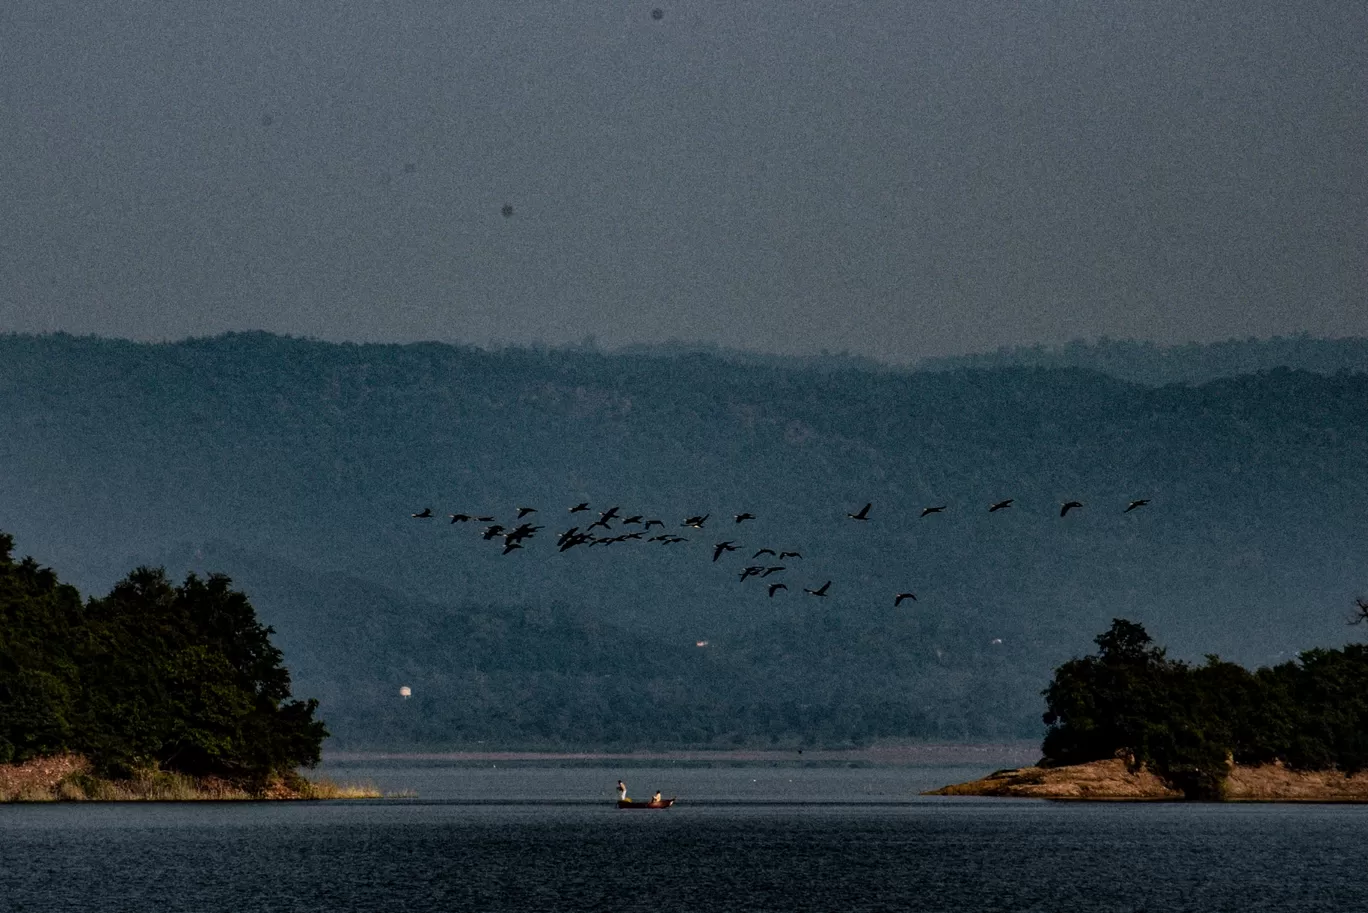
x=530, y=837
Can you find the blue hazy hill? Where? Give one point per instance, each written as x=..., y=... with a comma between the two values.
x=294, y=466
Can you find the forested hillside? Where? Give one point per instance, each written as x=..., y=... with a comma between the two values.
x=295, y=466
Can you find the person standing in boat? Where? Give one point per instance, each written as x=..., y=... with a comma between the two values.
x=622, y=791
x=656, y=800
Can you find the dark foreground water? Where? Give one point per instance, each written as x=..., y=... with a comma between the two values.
x=741, y=838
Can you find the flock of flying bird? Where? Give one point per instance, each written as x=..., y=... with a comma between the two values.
x=575, y=537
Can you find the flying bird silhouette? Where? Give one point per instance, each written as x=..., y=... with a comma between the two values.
x=524, y=511
x=696, y=522
x=932, y=510
x=898, y=600
x=763, y=551
x=742, y=518
x=820, y=591
x=783, y=555
x=773, y=569
x=583, y=505
x=719, y=548
x=776, y=587
x=1068, y=506
x=574, y=540
x=1001, y=504
x=863, y=514
x=604, y=517
x=459, y=518
x=424, y=514
x=1134, y=504
x=524, y=531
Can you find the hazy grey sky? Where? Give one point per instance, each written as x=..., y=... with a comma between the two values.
x=899, y=179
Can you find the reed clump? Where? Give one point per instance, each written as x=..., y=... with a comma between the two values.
x=327, y=789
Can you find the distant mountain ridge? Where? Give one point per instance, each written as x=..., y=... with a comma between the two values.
x=1139, y=362
x=1192, y=363
x=277, y=459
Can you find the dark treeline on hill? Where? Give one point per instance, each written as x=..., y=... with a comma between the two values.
x=1186, y=722
x=150, y=677
x=1149, y=363
x=294, y=467
x=1125, y=359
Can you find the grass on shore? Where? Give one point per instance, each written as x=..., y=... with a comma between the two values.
x=68, y=779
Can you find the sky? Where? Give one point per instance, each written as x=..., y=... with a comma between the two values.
x=891, y=179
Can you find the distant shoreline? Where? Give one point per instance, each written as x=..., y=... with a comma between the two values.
x=931, y=753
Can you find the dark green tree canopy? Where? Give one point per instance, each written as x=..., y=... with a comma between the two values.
x=1187, y=723
x=1127, y=643
x=180, y=677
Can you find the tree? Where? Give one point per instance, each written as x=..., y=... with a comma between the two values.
x=1101, y=706
x=198, y=686
x=1187, y=724
x=38, y=677
x=179, y=678
x=1132, y=701
x=1127, y=643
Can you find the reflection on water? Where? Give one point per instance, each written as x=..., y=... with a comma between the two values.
x=755, y=837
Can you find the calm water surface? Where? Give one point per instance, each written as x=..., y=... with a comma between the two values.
x=759, y=837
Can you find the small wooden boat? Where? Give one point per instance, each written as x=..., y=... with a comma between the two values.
x=663, y=803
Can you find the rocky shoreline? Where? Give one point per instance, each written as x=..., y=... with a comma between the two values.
x=68, y=778
x=1113, y=781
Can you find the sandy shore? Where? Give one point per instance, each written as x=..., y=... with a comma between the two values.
x=1112, y=781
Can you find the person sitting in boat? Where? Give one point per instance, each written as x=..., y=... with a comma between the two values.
x=622, y=791
x=656, y=798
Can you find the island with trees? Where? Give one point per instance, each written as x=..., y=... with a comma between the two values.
x=1131, y=723
x=154, y=691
